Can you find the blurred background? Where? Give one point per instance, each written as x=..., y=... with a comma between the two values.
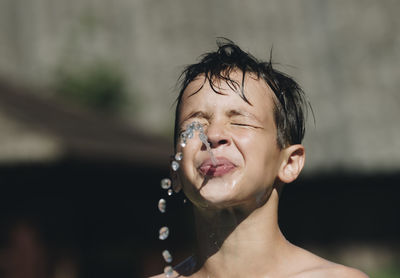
x=86, y=116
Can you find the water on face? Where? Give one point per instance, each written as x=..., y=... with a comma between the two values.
x=204, y=139
x=189, y=133
x=166, y=183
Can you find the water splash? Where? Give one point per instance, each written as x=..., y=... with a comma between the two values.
x=204, y=139
x=178, y=156
x=163, y=233
x=162, y=205
x=175, y=165
x=167, y=256
x=189, y=134
x=168, y=271
x=166, y=183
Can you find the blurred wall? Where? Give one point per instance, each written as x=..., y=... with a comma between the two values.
x=344, y=53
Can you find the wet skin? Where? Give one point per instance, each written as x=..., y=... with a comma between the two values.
x=236, y=201
x=242, y=138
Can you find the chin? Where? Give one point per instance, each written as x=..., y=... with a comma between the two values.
x=216, y=192
x=218, y=197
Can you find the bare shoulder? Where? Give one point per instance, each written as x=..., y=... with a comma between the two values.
x=347, y=272
x=332, y=270
x=313, y=266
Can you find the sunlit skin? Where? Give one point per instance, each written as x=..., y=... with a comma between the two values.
x=235, y=130
x=236, y=204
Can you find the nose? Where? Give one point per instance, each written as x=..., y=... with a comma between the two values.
x=217, y=135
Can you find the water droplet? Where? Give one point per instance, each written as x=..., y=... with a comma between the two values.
x=170, y=192
x=178, y=156
x=168, y=271
x=167, y=256
x=183, y=136
x=191, y=125
x=175, y=165
x=162, y=205
x=203, y=138
x=183, y=144
x=164, y=233
x=213, y=159
x=165, y=183
x=198, y=126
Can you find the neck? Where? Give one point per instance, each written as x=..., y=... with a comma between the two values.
x=230, y=240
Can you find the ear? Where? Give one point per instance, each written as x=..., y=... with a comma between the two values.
x=292, y=163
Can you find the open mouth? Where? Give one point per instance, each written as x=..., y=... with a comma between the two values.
x=223, y=167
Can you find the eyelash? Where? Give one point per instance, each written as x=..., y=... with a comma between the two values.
x=233, y=123
x=240, y=124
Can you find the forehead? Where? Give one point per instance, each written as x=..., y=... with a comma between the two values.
x=200, y=95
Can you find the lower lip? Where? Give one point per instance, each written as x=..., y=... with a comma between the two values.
x=216, y=171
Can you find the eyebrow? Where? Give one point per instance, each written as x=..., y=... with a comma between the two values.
x=231, y=113
x=197, y=114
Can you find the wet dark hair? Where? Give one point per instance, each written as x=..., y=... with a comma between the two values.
x=290, y=104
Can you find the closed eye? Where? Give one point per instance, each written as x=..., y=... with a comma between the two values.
x=246, y=125
x=240, y=124
x=184, y=125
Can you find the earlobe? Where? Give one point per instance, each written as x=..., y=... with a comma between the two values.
x=292, y=164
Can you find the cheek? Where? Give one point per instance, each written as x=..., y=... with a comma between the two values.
x=188, y=168
x=260, y=154
x=253, y=146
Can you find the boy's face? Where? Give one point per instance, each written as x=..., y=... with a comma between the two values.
x=242, y=138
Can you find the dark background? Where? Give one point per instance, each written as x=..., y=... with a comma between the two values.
x=104, y=218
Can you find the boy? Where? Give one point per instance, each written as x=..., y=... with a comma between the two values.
x=254, y=119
